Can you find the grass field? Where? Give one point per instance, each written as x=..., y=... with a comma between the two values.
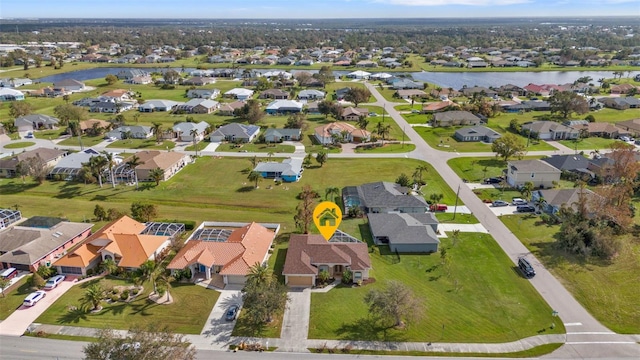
x=19, y=145
x=267, y=148
x=607, y=289
x=481, y=299
x=533, y=352
x=591, y=143
x=478, y=168
x=142, y=144
x=388, y=148
x=187, y=314
x=87, y=141
x=14, y=296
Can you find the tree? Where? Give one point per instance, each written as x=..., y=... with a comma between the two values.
x=171, y=76
x=4, y=283
x=567, y=102
x=331, y=191
x=263, y=295
x=143, y=212
x=97, y=164
x=111, y=79
x=250, y=111
x=156, y=175
x=151, y=270
x=362, y=122
x=304, y=215
x=394, y=303
x=94, y=295
x=321, y=157
x=68, y=112
x=526, y=190
x=383, y=129
x=254, y=177
x=153, y=342
x=34, y=167
x=508, y=146
x=325, y=75
x=157, y=130
x=99, y=213
x=109, y=266
x=307, y=160
x=417, y=175
x=296, y=121
x=403, y=180
x=194, y=137
x=111, y=163
x=357, y=95
x=19, y=108
x=132, y=163
x=328, y=107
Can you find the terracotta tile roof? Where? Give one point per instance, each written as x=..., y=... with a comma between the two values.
x=154, y=159
x=307, y=251
x=244, y=247
x=81, y=257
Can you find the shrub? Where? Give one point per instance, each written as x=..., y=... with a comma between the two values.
x=135, y=291
x=114, y=298
x=347, y=276
x=45, y=272
x=37, y=280
x=90, y=272
x=124, y=295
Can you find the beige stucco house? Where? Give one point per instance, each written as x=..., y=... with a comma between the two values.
x=540, y=173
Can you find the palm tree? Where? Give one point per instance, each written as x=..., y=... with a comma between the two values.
x=382, y=130
x=270, y=154
x=132, y=163
x=418, y=173
x=255, y=177
x=109, y=266
x=259, y=274
x=156, y=272
x=194, y=138
x=93, y=295
x=331, y=191
x=110, y=164
x=97, y=165
x=156, y=175
x=157, y=129
x=540, y=203
x=527, y=189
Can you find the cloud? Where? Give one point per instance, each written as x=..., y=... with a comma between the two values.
x=453, y=2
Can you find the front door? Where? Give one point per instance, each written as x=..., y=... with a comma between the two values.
x=337, y=269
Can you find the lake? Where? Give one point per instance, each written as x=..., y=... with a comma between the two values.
x=454, y=80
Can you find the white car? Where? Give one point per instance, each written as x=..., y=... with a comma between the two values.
x=518, y=201
x=34, y=297
x=53, y=282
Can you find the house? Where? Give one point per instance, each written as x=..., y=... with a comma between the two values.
x=311, y=95
x=470, y=91
x=404, y=232
x=599, y=129
x=70, y=85
x=308, y=255
x=280, y=135
x=185, y=130
x=359, y=74
x=35, y=122
x=225, y=252
x=476, y=133
x=539, y=172
x=227, y=109
x=169, y=162
x=235, y=132
x=158, y=105
x=336, y=131
x=49, y=92
x=276, y=94
x=71, y=165
x=284, y=107
x=117, y=95
x=203, y=93
x=410, y=93
x=127, y=242
x=289, y=170
x=198, y=106
x=383, y=197
x=88, y=125
x=7, y=94
x=398, y=84
x=127, y=74
x=552, y=200
x=239, y=94
x=139, y=80
x=199, y=81
x=630, y=126
x=38, y=241
x=342, y=93
x=109, y=107
x=440, y=106
x=455, y=117
x=49, y=157
x=354, y=114
x=576, y=163
x=622, y=88
x=366, y=64
x=550, y=130
x=131, y=132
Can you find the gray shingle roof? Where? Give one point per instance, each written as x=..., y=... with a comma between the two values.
x=387, y=194
x=404, y=228
x=532, y=166
x=567, y=162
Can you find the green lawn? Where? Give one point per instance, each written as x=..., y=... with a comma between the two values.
x=13, y=297
x=142, y=144
x=591, y=143
x=533, y=352
x=267, y=148
x=607, y=289
x=482, y=299
x=19, y=145
x=200, y=146
x=478, y=168
x=388, y=148
x=87, y=141
x=187, y=314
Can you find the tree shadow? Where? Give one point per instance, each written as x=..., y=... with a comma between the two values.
x=15, y=187
x=249, y=329
x=369, y=329
x=73, y=316
x=281, y=255
x=245, y=189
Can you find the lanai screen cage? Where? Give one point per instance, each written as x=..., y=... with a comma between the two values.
x=163, y=229
x=8, y=217
x=342, y=237
x=210, y=234
x=123, y=173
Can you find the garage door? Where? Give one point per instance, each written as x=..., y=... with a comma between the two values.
x=235, y=279
x=300, y=281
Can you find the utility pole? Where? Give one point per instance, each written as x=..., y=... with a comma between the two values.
x=403, y=132
x=384, y=110
x=455, y=208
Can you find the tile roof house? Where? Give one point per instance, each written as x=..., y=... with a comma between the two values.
x=354, y=114
x=170, y=162
x=279, y=135
x=383, y=197
x=87, y=125
x=600, y=129
x=198, y=106
x=551, y=130
x=124, y=241
x=439, y=106
x=453, y=118
x=476, y=133
x=235, y=132
x=539, y=172
x=50, y=158
x=184, y=130
x=225, y=251
x=35, y=122
x=289, y=170
x=39, y=241
x=227, y=109
x=310, y=254
x=405, y=233
x=334, y=132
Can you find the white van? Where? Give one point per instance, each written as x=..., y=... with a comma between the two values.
x=53, y=282
x=34, y=297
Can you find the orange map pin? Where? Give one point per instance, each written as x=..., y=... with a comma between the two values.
x=327, y=217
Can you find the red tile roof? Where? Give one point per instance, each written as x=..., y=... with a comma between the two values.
x=306, y=252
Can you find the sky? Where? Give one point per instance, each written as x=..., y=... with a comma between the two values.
x=305, y=9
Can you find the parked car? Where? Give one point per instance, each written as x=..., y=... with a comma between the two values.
x=53, y=282
x=624, y=138
x=373, y=114
x=438, y=207
x=414, y=111
x=9, y=273
x=498, y=203
x=525, y=266
x=232, y=313
x=525, y=208
x=637, y=142
x=29, y=135
x=493, y=180
x=519, y=201
x=34, y=297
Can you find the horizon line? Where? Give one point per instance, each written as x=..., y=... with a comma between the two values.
x=331, y=18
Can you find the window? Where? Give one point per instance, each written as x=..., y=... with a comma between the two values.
x=71, y=270
x=357, y=275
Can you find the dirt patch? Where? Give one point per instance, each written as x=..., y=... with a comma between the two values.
x=165, y=299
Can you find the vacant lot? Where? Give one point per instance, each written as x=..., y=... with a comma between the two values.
x=607, y=289
x=481, y=298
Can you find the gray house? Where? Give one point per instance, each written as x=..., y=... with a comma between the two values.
x=35, y=122
x=476, y=133
x=184, y=130
x=405, y=233
x=235, y=132
x=70, y=85
x=383, y=197
x=133, y=132
x=453, y=118
x=278, y=135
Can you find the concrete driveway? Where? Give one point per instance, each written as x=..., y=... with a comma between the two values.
x=18, y=322
x=295, y=324
x=217, y=329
